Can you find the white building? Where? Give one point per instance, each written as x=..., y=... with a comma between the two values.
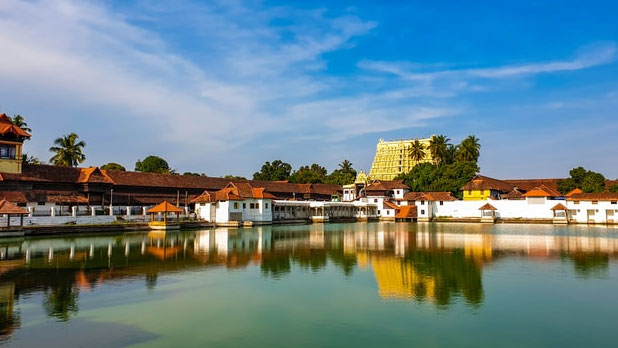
x=593, y=208
x=236, y=204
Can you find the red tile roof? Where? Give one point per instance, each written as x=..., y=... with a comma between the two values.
x=529, y=184
x=574, y=192
x=407, y=212
x=513, y=195
x=542, y=191
x=602, y=196
x=164, y=207
x=488, y=206
x=429, y=196
x=390, y=205
x=233, y=192
x=559, y=206
x=7, y=126
x=7, y=207
x=481, y=182
x=386, y=185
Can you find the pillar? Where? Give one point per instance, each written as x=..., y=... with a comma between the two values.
x=93, y=211
x=73, y=211
x=52, y=211
x=144, y=211
x=30, y=211
x=111, y=210
x=128, y=211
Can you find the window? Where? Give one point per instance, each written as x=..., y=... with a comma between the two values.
x=469, y=192
x=422, y=202
x=257, y=205
x=7, y=151
x=379, y=212
x=265, y=205
x=375, y=200
x=41, y=203
x=244, y=205
x=441, y=202
x=251, y=206
x=614, y=202
x=422, y=211
x=235, y=205
x=595, y=202
x=575, y=202
x=21, y=204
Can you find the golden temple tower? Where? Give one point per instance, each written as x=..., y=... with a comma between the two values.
x=394, y=158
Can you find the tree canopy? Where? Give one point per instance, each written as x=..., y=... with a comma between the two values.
x=275, y=171
x=113, y=166
x=343, y=175
x=68, y=151
x=153, y=164
x=587, y=180
x=445, y=177
x=469, y=149
x=234, y=177
x=312, y=174
x=20, y=122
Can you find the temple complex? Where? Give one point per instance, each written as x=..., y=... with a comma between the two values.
x=395, y=157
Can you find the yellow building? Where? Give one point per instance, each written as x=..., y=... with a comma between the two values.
x=11, y=141
x=481, y=188
x=395, y=157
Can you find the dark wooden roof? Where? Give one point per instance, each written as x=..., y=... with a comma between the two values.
x=481, y=182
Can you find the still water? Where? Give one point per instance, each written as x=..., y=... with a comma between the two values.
x=357, y=284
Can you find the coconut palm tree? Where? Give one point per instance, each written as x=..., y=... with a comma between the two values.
x=346, y=166
x=417, y=151
x=438, y=147
x=469, y=150
x=69, y=151
x=20, y=122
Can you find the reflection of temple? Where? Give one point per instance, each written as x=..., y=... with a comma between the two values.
x=428, y=262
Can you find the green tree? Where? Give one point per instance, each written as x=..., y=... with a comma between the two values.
x=20, y=122
x=613, y=188
x=234, y=177
x=446, y=177
x=439, y=148
x=417, y=151
x=28, y=159
x=469, y=150
x=275, y=171
x=344, y=175
x=153, y=164
x=587, y=180
x=193, y=174
x=68, y=151
x=313, y=174
x=113, y=166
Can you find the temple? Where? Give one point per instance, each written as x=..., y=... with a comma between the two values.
x=395, y=157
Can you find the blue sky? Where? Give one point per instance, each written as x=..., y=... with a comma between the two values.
x=222, y=86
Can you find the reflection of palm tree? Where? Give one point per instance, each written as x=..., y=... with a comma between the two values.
x=61, y=302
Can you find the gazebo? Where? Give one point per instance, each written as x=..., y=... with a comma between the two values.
x=560, y=214
x=488, y=213
x=164, y=208
x=7, y=208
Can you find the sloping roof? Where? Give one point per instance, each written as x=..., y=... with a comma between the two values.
x=574, y=192
x=514, y=194
x=602, y=196
x=488, y=206
x=60, y=197
x=429, y=196
x=7, y=126
x=407, y=212
x=481, y=182
x=233, y=192
x=390, y=205
x=529, y=184
x=93, y=175
x=164, y=207
x=542, y=191
x=559, y=206
x=7, y=207
x=385, y=185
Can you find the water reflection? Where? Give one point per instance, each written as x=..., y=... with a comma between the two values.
x=426, y=263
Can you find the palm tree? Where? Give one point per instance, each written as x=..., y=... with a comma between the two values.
x=438, y=146
x=20, y=122
x=469, y=150
x=417, y=151
x=346, y=166
x=68, y=151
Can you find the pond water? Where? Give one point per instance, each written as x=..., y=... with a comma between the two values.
x=357, y=284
